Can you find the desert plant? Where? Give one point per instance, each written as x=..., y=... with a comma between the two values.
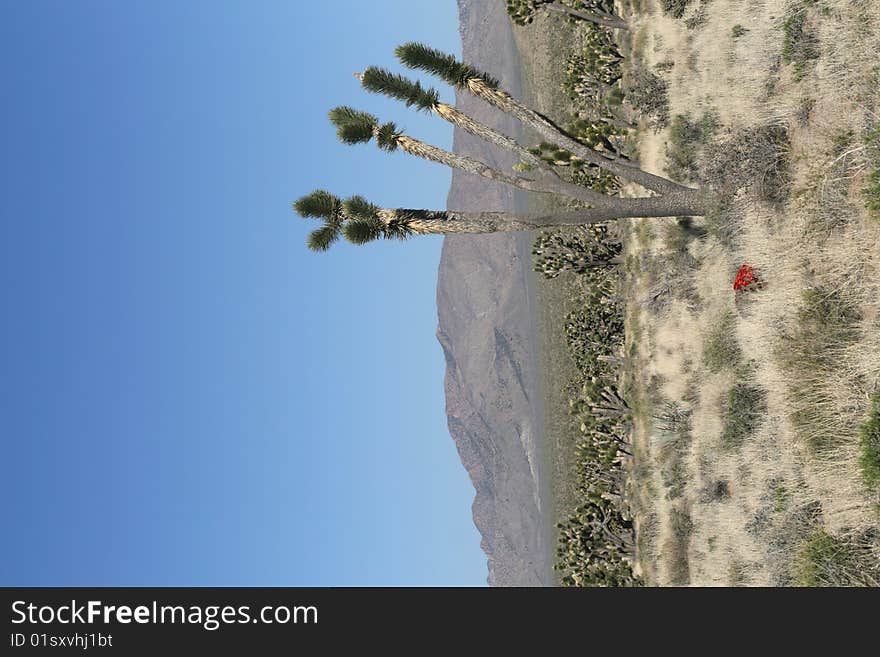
x=523, y=12
x=869, y=444
x=686, y=139
x=578, y=251
x=360, y=221
x=648, y=93
x=800, y=45
x=742, y=413
x=720, y=348
x=675, y=8
x=827, y=560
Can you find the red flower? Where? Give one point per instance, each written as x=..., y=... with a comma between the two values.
x=745, y=278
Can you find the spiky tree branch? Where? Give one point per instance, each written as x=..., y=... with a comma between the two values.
x=522, y=12
x=360, y=221
x=354, y=127
x=379, y=80
x=463, y=76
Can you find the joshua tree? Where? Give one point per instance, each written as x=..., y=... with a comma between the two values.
x=591, y=248
x=354, y=126
x=467, y=78
x=383, y=81
x=522, y=12
x=360, y=221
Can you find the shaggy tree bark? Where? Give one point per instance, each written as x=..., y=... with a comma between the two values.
x=596, y=16
x=458, y=118
x=428, y=222
x=554, y=185
x=552, y=133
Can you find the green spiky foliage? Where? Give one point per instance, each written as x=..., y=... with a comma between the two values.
x=320, y=204
x=358, y=207
x=596, y=60
x=383, y=81
x=523, y=12
x=322, y=238
x=386, y=137
x=352, y=126
x=356, y=127
x=355, y=218
x=436, y=62
x=361, y=231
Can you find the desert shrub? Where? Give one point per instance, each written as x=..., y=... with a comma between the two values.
x=869, y=444
x=578, y=250
x=594, y=63
x=648, y=93
x=742, y=413
x=756, y=158
x=675, y=550
x=720, y=348
x=716, y=491
x=698, y=18
x=686, y=139
x=677, y=236
x=826, y=560
x=805, y=108
x=871, y=190
x=723, y=222
x=675, y=8
x=737, y=31
x=800, y=45
x=826, y=323
x=596, y=543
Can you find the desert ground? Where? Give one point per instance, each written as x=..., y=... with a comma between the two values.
x=751, y=410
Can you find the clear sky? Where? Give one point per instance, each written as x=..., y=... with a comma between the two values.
x=188, y=396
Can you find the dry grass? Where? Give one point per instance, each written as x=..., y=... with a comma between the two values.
x=788, y=381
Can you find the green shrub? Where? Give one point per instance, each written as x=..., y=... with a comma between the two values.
x=675, y=550
x=648, y=93
x=756, y=157
x=800, y=45
x=871, y=192
x=737, y=31
x=826, y=560
x=826, y=322
x=869, y=443
x=721, y=350
x=742, y=413
x=675, y=8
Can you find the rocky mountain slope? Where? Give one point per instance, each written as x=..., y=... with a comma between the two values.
x=484, y=293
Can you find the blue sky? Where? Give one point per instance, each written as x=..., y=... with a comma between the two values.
x=189, y=396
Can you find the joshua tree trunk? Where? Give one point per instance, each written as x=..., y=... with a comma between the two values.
x=381, y=81
x=428, y=222
x=549, y=131
x=553, y=185
x=597, y=17
x=462, y=120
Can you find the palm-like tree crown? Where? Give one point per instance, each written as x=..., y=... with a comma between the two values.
x=436, y=62
x=383, y=81
x=355, y=218
x=356, y=127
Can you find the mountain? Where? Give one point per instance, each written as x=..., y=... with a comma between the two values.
x=484, y=295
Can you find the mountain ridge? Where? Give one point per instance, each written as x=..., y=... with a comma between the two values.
x=484, y=298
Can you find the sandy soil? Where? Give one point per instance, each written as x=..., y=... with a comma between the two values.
x=748, y=535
